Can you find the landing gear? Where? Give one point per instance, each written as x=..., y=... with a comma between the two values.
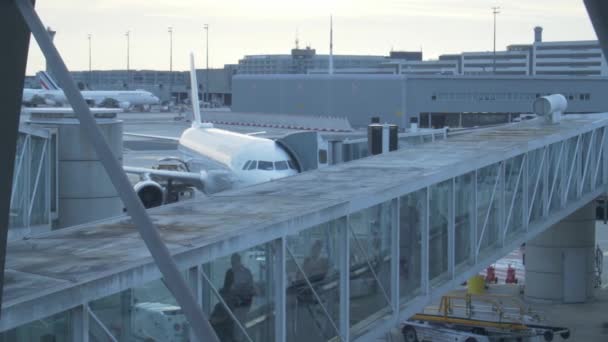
x=479, y=331
x=409, y=333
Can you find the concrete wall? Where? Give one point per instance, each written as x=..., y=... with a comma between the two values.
x=395, y=98
x=220, y=80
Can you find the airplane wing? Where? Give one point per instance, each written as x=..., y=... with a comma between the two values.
x=211, y=181
x=149, y=136
x=193, y=178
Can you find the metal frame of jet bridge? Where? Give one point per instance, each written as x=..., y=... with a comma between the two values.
x=440, y=212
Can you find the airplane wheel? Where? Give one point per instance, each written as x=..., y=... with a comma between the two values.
x=479, y=331
x=565, y=335
x=409, y=333
x=548, y=335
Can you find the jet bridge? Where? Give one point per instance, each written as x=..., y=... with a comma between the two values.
x=340, y=253
x=303, y=147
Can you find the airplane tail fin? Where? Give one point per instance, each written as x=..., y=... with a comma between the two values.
x=46, y=81
x=196, y=109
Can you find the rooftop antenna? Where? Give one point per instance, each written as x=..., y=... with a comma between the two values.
x=331, y=45
x=297, y=39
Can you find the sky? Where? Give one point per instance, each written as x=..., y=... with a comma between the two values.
x=242, y=27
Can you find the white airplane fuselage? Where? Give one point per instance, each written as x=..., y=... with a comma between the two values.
x=125, y=98
x=250, y=159
x=242, y=159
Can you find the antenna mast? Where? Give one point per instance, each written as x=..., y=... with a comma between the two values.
x=297, y=38
x=331, y=45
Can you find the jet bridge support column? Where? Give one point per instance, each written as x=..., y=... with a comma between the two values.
x=85, y=193
x=560, y=261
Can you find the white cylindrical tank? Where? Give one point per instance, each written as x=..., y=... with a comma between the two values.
x=84, y=189
x=550, y=107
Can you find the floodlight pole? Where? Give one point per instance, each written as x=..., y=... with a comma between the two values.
x=128, y=35
x=90, y=76
x=495, y=11
x=170, y=30
x=206, y=90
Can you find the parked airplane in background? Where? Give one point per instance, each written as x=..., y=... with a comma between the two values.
x=242, y=159
x=51, y=94
x=32, y=97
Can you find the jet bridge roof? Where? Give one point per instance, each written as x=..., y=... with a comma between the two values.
x=50, y=273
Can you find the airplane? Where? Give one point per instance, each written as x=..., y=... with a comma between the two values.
x=51, y=94
x=241, y=159
x=32, y=97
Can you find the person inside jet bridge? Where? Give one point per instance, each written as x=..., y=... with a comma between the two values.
x=238, y=284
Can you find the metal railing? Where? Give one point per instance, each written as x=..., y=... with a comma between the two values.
x=34, y=190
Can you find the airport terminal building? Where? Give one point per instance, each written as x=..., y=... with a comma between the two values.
x=449, y=100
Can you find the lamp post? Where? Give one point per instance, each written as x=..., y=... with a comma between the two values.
x=128, y=35
x=170, y=30
x=206, y=90
x=495, y=11
x=89, y=38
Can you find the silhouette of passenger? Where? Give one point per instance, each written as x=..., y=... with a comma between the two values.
x=239, y=287
x=315, y=267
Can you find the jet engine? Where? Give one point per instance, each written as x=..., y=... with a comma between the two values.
x=50, y=102
x=124, y=105
x=150, y=193
x=109, y=102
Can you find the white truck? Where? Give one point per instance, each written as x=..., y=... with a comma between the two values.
x=159, y=322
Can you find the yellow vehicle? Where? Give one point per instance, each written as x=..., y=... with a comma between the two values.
x=497, y=317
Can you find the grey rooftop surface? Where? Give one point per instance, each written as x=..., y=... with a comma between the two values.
x=82, y=263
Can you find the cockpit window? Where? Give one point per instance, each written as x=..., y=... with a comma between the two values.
x=265, y=165
x=281, y=165
x=291, y=165
x=246, y=165
x=252, y=165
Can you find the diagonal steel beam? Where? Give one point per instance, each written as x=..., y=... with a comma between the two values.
x=314, y=293
x=508, y=220
x=37, y=181
x=572, y=168
x=540, y=173
x=15, y=41
x=558, y=169
x=24, y=147
x=598, y=13
x=491, y=203
x=599, y=158
x=370, y=266
x=159, y=251
x=586, y=165
x=220, y=298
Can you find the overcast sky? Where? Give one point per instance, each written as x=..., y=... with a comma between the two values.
x=240, y=27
